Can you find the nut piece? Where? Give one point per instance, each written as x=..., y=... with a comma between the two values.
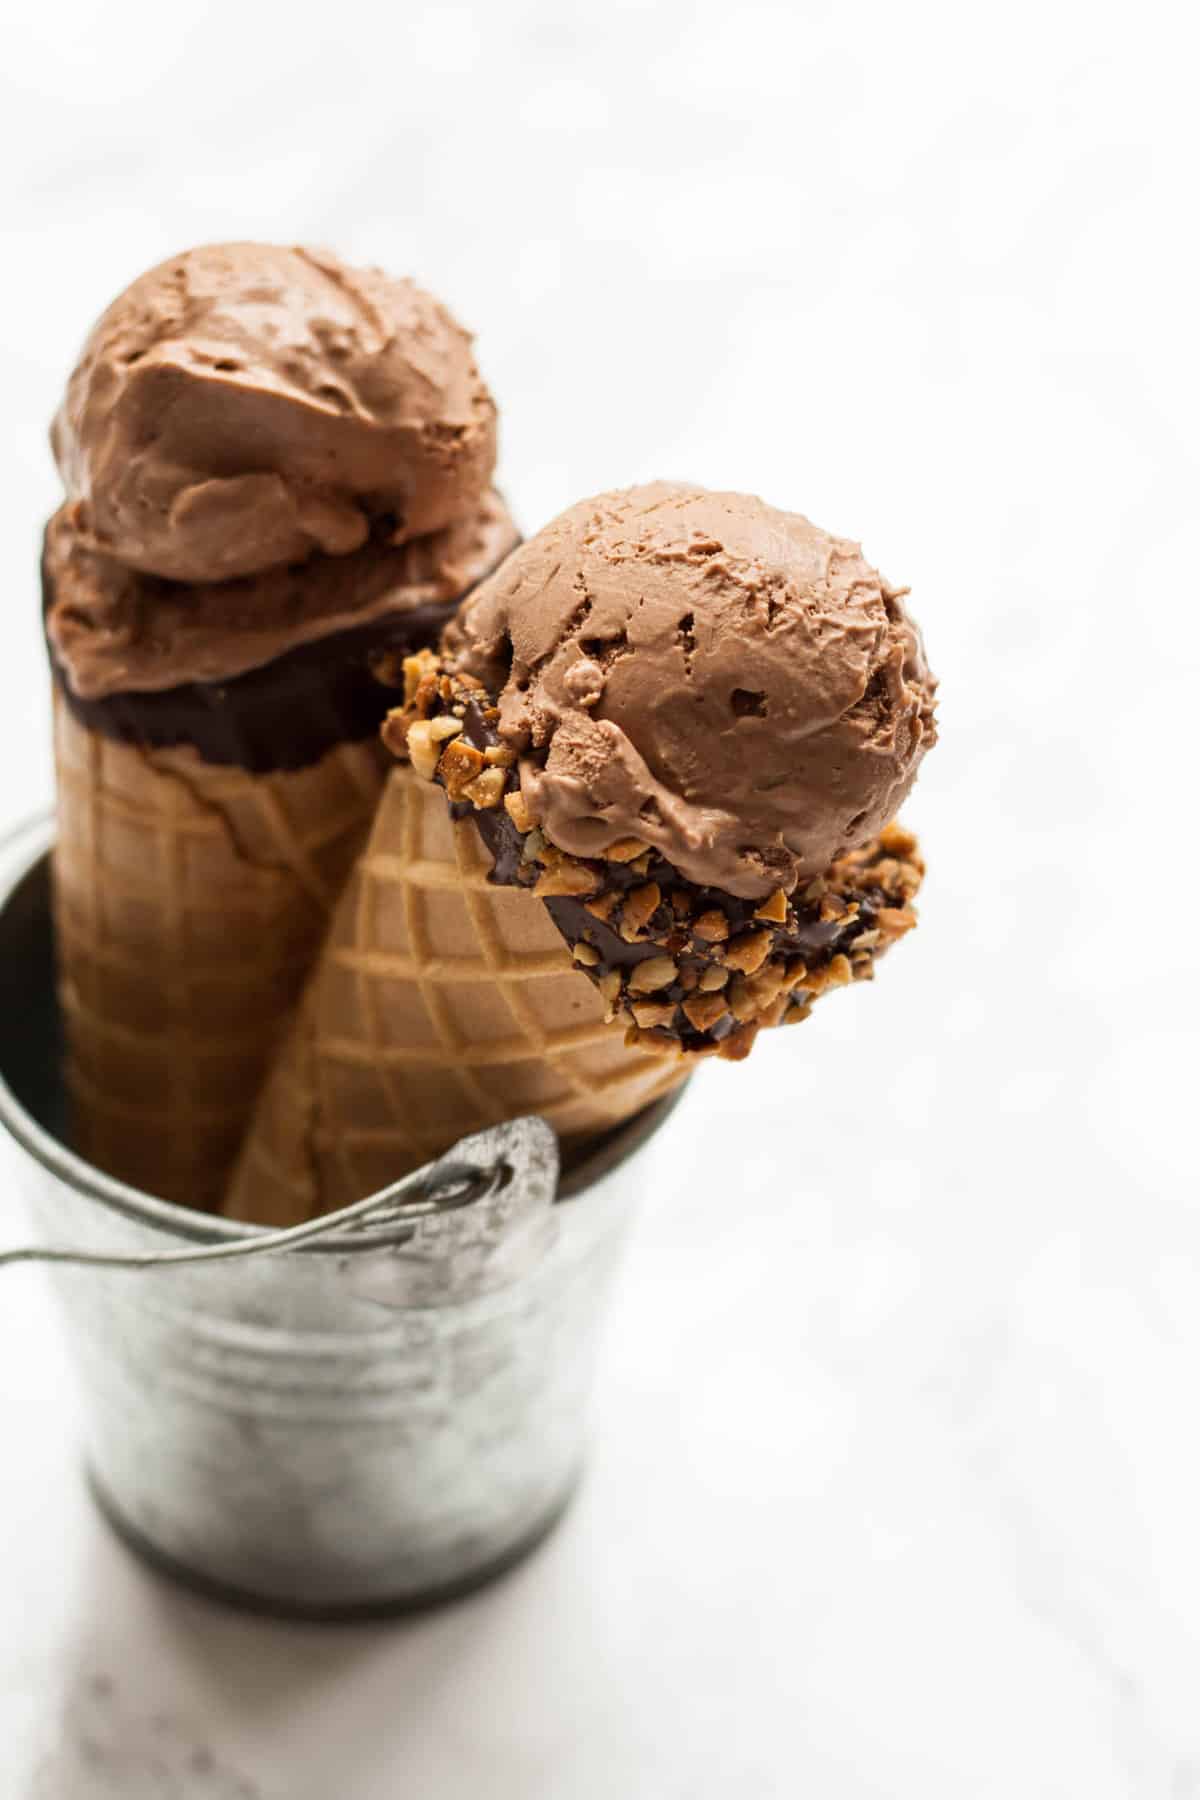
x=656, y=972
x=765, y=987
x=774, y=908
x=610, y=988
x=713, y=979
x=742, y=1003
x=416, y=668
x=518, y=812
x=640, y=907
x=649, y=1013
x=738, y=1045
x=895, y=918
x=444, y=726
x=422, y=751
x=773, y=1014
x=565, y=877
x=394, y=732
x=460, y=764
x=711, y=925
x=866, y=940
x=898, y=842
x=586, y=953
x=749, y=953
x=624, y=850
x=703, y=1010
x=603, y=906
x=486, y=790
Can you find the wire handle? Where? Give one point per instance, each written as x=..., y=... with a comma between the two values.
x=456, y=1185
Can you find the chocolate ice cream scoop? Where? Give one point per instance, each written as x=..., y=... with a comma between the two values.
x=722, y=681
x=243, y=405
x=687, y=968
x=114, y=630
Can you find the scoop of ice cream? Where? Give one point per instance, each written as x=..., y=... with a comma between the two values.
x=114, y=630
x=702, y=672
x=243, y=405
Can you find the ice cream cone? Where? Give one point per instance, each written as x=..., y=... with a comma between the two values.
x=190, y=899
x=277, y=473
x=440, y=1003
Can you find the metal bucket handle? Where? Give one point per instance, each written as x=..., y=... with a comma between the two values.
x=474, y=1171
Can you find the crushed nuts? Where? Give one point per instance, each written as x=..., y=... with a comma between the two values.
x=610, y=991
x=486, y=790
x=738, y=1045
x=565, y=878
x=749, y=953
x=416, y=668
x=518, y=812
x=639, y=908
x=422, y=751
x=703, y=1010
x=895, y=918
x=656, y=972
x=624, y=850
x=460, y=764
x=839, y=972
x=649, y=1013
x=774, y=908
x=730, y=965
x=897, y=841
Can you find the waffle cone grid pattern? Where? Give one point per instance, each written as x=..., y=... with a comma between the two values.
x=441, y=1003
x=190, y=902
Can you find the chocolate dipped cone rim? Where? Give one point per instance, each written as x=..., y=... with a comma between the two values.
x=684, y=967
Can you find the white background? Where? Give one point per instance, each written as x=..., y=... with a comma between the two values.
x=896, y=1487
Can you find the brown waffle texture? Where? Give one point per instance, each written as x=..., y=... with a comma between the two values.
x=440, y=1004
x=190, y=901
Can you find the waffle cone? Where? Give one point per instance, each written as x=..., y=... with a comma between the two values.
x=440, y=1004
x=190, y=901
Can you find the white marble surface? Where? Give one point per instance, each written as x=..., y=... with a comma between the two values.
x=896, y=1488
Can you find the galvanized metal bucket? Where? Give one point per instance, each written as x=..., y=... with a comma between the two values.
x=374, y=1419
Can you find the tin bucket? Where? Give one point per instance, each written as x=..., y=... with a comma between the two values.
x=374, y=1420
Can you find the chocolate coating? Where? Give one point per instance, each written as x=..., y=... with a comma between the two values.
x=244, y=405
x=282, y=714
x=285, y=715
x=720, y=679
